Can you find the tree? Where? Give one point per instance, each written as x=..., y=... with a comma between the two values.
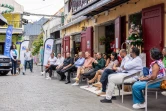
x=37, y=44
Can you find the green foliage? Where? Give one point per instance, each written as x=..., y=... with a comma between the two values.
x=136, y=40
x=37, y=44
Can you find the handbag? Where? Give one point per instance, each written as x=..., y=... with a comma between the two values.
x=163, y=84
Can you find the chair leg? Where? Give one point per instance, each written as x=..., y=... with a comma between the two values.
x=122, y=91
x=146, y=98
x=156, y=94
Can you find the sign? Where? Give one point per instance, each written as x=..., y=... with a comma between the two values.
x=24, y=45
x=18, y=42
x=48, y=47
x=8, y=41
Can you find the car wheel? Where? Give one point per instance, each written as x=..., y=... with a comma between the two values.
x=4, y=73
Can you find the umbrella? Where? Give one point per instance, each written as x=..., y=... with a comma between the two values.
x=3, y=21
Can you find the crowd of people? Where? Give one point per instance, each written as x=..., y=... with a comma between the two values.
x=105, y=72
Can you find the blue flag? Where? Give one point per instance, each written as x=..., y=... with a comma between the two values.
x=8, y=41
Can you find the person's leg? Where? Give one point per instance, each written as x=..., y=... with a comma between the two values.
x=145, y=71
x=30, y=65
x=89, y=72
x=78, y=72
x=138, y=97
x=113, y=79
x=95, y=77
x=104, y=78
x=25, y=65
x=12, y=71
x=15, y=67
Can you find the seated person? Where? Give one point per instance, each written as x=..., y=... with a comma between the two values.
x=157, y=70
x=78, y=63
x=51, y=60
x=96, y=64
x=85, y=68
x=76, y=57
x=104, y=77
x=59, y=61
x=106, y=58
x=65, y=67
x=113, y=62
x=134, y=65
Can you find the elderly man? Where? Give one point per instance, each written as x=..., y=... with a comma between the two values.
x=107, y=72
x=65, y=67
x=78, y=63
x=96, y=64
x=131, y=67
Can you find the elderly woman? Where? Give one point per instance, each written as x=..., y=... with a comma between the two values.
x=156, y=70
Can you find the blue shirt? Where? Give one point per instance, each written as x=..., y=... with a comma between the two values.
x=79, y=62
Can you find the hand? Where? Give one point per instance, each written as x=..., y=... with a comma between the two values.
x=95, y=62
x=64, y=67
x=114, y=68
x=143, y=78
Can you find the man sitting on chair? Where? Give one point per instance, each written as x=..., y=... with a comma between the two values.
x=87, y=69
x=131, y=67
x=65, y=67
x=77, y=64
x=59, y=61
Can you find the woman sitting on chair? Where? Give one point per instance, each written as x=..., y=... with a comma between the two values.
x=157, y=70
x=113, y=62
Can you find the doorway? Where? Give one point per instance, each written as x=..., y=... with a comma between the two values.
x=2, y=48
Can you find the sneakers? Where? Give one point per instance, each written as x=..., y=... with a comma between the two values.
x=139, y=106
x=163, y=93
x=48, y=78
x=105, y=101
x=76, y=79
x=43, y=73
x=75, y=84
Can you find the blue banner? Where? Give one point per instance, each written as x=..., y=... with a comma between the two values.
x=8, y=41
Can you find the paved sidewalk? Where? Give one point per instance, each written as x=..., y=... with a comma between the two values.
x=33, y=93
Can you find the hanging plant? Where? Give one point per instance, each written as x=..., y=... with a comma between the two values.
x=9, y=8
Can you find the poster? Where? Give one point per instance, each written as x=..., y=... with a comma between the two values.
x=48, y=48
x=8, y=41
x=24, y=45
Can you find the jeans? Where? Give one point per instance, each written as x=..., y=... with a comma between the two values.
x=145, y=71
x=30, y=65
x=62, y=72
x=52, y=67
x=104, y=78
x=14, y=65
x=137, y=88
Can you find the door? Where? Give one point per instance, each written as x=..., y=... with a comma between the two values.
x=87, y=41
x=118, y=33
x=66, y=45
x=83, y=42
x=152, y=21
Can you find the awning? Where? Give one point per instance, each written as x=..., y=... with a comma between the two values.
x=99, y=7
x=3, y=21
x=79, y=19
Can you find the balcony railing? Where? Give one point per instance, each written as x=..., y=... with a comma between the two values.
x=79, y=5
x=16, y=24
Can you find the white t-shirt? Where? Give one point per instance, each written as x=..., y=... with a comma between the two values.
x=27, y=55
x=52, y=60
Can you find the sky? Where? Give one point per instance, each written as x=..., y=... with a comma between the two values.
x=48, y=7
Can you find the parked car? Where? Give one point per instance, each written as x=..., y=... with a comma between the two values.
x=5, y=65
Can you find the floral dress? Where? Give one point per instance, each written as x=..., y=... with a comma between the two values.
x=161, y=71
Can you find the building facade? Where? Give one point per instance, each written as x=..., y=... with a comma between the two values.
x=104, y=25
x=15, y=19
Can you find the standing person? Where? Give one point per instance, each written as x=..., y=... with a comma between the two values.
x=27, y=58
x=14, y=57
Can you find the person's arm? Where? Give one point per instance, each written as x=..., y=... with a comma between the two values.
x=155, y=71
x=11, y=54
x=101, y=64
x=80, y=62
x=131, y=65
x=107, y=62
x=17, y=54
x=71, y=63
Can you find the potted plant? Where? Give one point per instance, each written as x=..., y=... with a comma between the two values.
x=102, y=40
